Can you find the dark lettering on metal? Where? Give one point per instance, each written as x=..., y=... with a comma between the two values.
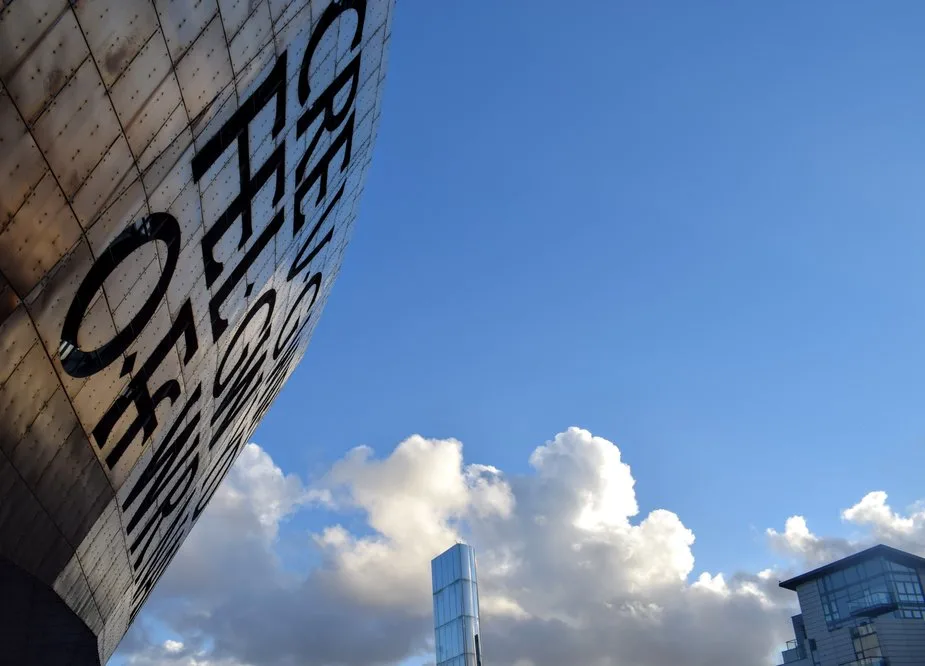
x=237, y=129
x=300, y=262
x=281, y=343
x=319, y=173
x=328, y=17
x=156, y=227
x=325, y=103
x=138, y=392
x=219, y=323
x=179, y=477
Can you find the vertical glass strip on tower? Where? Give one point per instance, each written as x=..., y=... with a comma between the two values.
x=456, y=607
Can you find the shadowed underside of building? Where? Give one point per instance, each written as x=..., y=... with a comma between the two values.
x=179, y=182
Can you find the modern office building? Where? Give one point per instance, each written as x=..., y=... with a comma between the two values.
x=864, y=610
x=179, y=182
x=456, y=607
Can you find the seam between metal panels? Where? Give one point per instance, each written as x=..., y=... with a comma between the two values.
x=40, y=38
x=23, y=297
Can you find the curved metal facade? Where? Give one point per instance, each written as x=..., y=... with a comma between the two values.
x=179, y=181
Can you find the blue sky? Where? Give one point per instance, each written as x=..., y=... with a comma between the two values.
x=694, y=229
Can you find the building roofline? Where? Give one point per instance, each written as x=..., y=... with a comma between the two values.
x=895, y=554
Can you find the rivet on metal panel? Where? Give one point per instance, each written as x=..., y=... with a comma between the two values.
x=21, y=162
x=47, y=67
x=183, y=21
x=255, y=33
x=42, y=232
x=110, y=178
x=116, y=30
x=22, y=26
x=175, y=124
x=169, y=173
x=77, y=128
x=205, y=69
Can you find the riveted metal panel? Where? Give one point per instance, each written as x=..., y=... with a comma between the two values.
x=73, y=488
x=37, y=237
x=109, y=179
x=49, y=301
x=17, y=337
x=234, y=14
x=167, y=134
x=251, y=37
x=166, y=175
x=33, y=453
x=116, y=31
x=183, y=20
x=30, y=539
x=47, y=66
x=146, y=93
x=205, y=69
x=77, y=128
x=129, y=206
x=21, y=163
x=22, y=26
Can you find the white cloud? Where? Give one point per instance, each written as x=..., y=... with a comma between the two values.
x=570, y=572
x=880, y=524
x=172, y=646
x=874, y=511
x=797, y=540
x=413, y=500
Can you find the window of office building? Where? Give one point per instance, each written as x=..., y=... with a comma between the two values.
x=866, y=642
x=870, y=589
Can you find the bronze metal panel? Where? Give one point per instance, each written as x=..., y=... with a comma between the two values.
x=205, y=69
x=22, y=26
x=38, y=236
x=116, y=31
x=110, y=178
x=77, y=128
x=47, y=66
x=251, y=37
x=21, y=163
x=183, y=21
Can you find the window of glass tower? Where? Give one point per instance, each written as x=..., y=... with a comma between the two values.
x=868, y=589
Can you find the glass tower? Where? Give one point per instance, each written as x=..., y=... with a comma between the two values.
x=456, y=607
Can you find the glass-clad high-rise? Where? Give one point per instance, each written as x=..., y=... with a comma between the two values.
x=456, y=607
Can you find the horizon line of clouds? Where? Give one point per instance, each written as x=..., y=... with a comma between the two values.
x=562, y=552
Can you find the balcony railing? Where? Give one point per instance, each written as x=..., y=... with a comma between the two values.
x=871, y=604
x=793, y=653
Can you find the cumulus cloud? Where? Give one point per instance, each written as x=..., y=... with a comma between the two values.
x=797, y=541
x=880, y=524
x=570, y=571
